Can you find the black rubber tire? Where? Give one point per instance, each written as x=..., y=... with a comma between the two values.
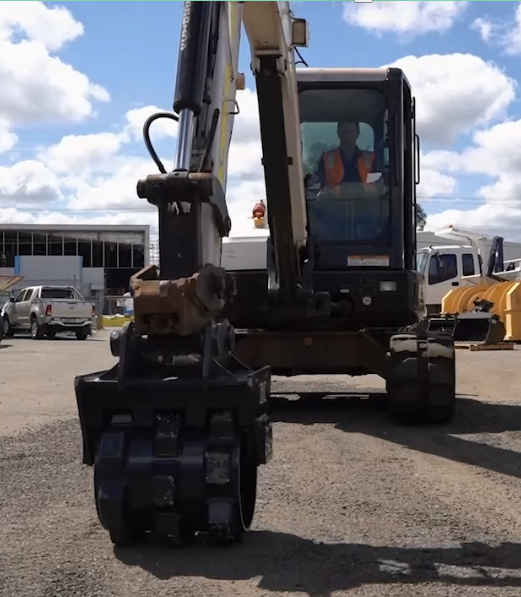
x=51, y=335
x=7, y=329
x=82, y=334
x=404, y=402
x=409, y=412
x=36, y=330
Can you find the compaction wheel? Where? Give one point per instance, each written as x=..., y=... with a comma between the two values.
x=177, y=481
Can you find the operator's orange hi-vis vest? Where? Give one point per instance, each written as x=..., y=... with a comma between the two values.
x=334, y=167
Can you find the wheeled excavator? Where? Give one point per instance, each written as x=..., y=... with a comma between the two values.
x=177, y=429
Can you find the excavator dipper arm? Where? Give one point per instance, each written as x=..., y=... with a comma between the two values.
x=176, y=429
x=272, y=34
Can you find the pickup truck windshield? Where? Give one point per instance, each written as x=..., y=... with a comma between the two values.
x=58, y=293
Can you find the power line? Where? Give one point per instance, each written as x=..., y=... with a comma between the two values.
x=146, y=208
x=505, y=202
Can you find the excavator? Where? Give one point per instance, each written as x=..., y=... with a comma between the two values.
x=176, y=430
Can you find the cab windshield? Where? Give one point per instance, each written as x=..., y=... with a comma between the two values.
x=346, y=162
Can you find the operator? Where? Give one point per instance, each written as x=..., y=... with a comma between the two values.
x=345, y=164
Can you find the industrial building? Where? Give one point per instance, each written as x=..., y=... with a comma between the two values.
x=97, y=259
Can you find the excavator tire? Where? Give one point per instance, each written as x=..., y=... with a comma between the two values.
x=421, y=379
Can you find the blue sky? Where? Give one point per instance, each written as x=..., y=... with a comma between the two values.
x=88, y=73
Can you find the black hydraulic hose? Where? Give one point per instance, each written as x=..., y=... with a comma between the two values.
x=148, y=142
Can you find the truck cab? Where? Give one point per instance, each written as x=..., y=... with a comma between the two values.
x=443, y=268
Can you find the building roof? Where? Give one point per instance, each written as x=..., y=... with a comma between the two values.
x=77, y=227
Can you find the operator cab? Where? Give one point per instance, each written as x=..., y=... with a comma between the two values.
x=357, y=138
x=360, y=164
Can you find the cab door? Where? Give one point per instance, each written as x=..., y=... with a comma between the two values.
x=15, y=309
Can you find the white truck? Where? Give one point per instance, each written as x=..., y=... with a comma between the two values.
x=446, y=267
x=48, y=310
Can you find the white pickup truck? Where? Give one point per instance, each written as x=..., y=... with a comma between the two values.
x=48, y=310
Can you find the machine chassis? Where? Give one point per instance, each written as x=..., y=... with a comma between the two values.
x=418, y=366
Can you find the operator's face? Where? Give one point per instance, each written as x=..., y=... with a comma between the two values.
x=348, y=133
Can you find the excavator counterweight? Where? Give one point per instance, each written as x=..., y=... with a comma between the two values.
x=176, y=430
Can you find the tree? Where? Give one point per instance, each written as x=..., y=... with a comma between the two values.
x=421, y=217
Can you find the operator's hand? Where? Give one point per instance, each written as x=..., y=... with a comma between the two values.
x=376, y=190
x=311, y=180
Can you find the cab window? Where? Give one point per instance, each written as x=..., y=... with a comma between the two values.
x=21, y=296
x=442, y=267
x=467, y=264
x=346, y=163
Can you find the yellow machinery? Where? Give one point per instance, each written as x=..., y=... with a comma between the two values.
x=504, y=299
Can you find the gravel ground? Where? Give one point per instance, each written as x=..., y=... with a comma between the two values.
x=350, y=505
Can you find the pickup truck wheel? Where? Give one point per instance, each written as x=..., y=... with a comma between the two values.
x=82, y=334
x=8, y=330
x=36, y=330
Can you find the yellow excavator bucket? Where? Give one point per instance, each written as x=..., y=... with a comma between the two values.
x=504, y=300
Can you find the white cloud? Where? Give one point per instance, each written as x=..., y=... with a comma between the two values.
x=512, y=41
x=114, y=190
x=37, y=86
x=496, y=153
x=485, y=218
x=51, y=26
x=484, y=27
x=435, y=184
x=7, y=139
x=82, y=154
x=447, y=107
x=504, y=33
x=29, y=182
x=409, y=18
x=11, y=215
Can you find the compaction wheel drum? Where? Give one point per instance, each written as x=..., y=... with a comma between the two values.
x=208, y=488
